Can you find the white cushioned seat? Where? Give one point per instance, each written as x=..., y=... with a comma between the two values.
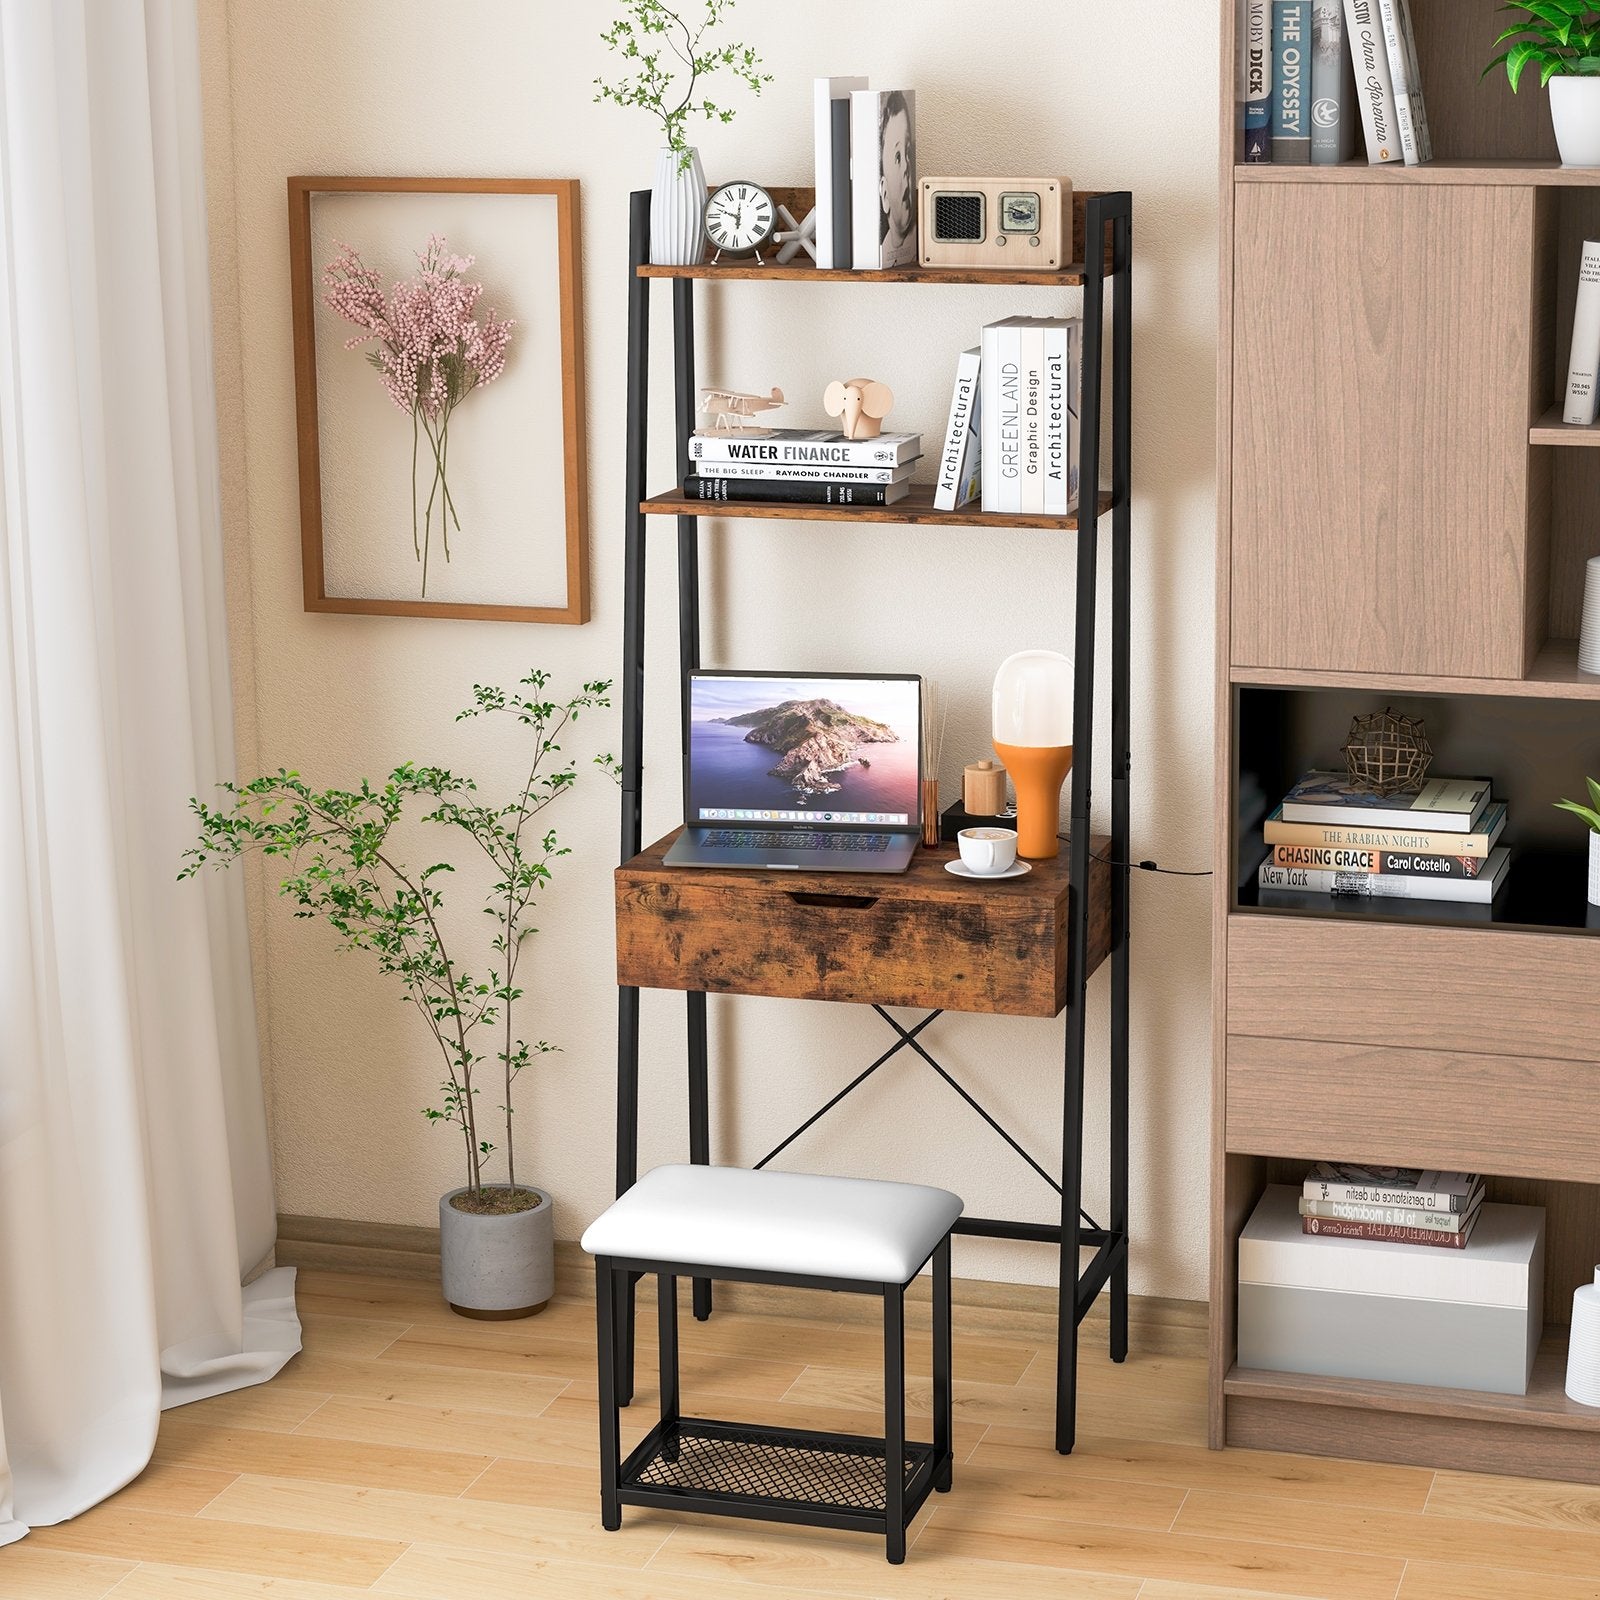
x=858, y=1229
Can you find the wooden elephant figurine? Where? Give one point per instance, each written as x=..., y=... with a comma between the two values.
x=863, y=403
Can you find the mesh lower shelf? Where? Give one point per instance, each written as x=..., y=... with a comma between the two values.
x=779, y=1466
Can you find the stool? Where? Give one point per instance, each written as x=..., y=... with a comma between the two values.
x=850, y=1235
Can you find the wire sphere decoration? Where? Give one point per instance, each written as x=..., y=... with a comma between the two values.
x=1387, y=753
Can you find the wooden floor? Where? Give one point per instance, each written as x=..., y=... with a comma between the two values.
x=409, y=1453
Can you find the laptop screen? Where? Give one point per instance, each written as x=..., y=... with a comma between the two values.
x=839, y=751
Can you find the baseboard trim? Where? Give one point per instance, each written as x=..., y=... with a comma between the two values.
x=1157, y=1325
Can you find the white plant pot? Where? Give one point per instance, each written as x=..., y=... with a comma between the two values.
x=1594, y=869
x=677, y=211
x=497, y=1267
x=1575, y=110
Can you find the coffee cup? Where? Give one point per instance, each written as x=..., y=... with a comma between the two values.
x=988, y=851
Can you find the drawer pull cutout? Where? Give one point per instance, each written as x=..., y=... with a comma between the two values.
x=836, y=902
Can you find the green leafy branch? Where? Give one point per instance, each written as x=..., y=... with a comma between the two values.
x=667, y=58
x=341, y=869
x=1560, y=37
x=1590, y=813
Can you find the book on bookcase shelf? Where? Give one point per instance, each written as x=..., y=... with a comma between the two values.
x=745, y=470
x=1362, y=835
x=1374, y=81
x=831, y=93
x=1410, y=110
x=1446, y=805
x=1391, y=1216
x=1256, y=80
x=1480, y=890
x=1291, y=61
x=1404, y=863
x=1425, y=1188
x=1583, y=362
x=1384, y=1233
x=1031, y=379
x=960, y=478
x=824, y=493
x=1391, y=1205
x=883, y=178
x=807, y=447
x=1333, y=86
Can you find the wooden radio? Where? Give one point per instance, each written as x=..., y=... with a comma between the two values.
x=1000, y=223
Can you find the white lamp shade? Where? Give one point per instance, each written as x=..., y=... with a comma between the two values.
x=1033, y=700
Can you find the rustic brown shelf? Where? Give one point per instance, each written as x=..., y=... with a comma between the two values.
x=920, y=938
x=1542, y=1432
x=1555, y=676
x=916, y=507
x=1550, y=429
x=804, y=271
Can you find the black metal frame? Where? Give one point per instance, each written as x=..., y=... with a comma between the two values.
x=1108, y=221
x=668, y=1469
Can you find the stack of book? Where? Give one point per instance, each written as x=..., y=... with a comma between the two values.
x=1031, y=380
x=1393, y=1205
x=802, y=466
x=1442, y=843
x=1311, y=70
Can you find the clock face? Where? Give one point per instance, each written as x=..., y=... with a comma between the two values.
x=740, y=218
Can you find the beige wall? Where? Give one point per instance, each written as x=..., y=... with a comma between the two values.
x=502, y=87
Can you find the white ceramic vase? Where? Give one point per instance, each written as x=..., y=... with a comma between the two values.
x=497, y=1267
x=1575, y=110
x=1594, y=869
x=677, y=210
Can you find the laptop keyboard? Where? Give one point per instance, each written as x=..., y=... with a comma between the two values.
x=749, y=839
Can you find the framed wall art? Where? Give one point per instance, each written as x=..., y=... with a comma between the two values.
x=438, y=351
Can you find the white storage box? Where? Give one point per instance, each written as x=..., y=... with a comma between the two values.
x=1399, y=1313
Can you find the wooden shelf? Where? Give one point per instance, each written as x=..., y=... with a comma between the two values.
x=916, y=507
x=1555, y=676
x=1550, y=429
x=804, y=271
x=1503, y=173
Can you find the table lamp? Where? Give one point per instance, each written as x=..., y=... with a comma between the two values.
x=1033, y=738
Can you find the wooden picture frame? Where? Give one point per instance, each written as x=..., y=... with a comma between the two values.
x=305, y=301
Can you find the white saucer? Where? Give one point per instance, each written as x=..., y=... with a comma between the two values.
x=1018, y=869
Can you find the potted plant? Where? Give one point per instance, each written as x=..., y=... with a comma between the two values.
x=496, y=1237
x=1562, y=39
x=668, y=59
x=1591, y=815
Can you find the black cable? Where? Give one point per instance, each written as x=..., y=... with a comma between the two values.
x=1139, y=866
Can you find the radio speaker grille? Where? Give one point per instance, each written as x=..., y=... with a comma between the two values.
x=958, y=218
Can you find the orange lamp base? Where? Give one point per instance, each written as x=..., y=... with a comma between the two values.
x=1037, y=773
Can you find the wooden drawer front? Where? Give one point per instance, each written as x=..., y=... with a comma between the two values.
x=1483, y=991
x=923, y=939
x=1414, y=1108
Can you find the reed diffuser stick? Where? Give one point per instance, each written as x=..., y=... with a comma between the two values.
x=934, y=715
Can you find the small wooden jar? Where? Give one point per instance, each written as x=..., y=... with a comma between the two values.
x=983, y=789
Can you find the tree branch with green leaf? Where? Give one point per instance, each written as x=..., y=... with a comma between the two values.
x=668, y=58
x=343, y=870
x=1560, y=37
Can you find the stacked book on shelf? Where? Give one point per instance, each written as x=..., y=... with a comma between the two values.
x=1311, y=71
x=1330, y=836
x=802, y=466
x=1391, y=1205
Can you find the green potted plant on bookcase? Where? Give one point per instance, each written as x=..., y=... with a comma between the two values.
x=497, y=1244
x=1561, y=38
x=1591, y=815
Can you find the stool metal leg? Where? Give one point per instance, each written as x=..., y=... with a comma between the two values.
x=943, y=1389
x=605, y=1302
x=894, y=1421
x=667, y=1302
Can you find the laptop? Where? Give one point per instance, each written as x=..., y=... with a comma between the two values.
x=808, y=772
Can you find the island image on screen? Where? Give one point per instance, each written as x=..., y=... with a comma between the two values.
x=808, y=749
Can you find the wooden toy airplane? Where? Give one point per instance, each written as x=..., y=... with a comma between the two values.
x=729, y=411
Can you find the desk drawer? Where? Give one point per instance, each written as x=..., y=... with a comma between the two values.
x=924, y=938
x=1517, y=1115
x=1483, y=991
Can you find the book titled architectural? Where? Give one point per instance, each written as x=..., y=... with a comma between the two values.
x=1291, y=75
x=1374, y=85
x=1445, y=805
x=1257, y=43
x=1063, y=392
x=1346, y=858
x=1358, y=834
x=1394, y=1216
x=811, y=494
x=1410, y=111
x=1382, y=1233
x=1583, y=365
x=747, y=469
x=826, y=92
x=883, y=178
x=807, y=447
x=1333, y=109
x=1001, y=416
x=1392, y=885
x=960, y=461
x=1422, y=1188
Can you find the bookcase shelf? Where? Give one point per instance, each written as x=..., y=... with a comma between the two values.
x=1550, y=429
x=917, y=507
x=1510, y=172
x=1555, y=676
x=804, y=271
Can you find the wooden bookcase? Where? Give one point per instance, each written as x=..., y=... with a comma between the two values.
x=1404, y=519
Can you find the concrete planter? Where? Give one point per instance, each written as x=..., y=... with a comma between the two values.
x=497, y=1267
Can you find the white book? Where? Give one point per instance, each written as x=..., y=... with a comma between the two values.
x=883, y=178
x=1002, y=417
x=1411, y=117
x=959, y=469
x=827, y=90
x=1583, y=365
x=807, y=447
x=1075, y=417
x=1374, y=82
x=1492, y=1271
x=1031, y=341
x=777, y=473
x=1061, y=416
x=1391, y=885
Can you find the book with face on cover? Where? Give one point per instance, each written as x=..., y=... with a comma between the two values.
x=883, y=178
x=1446, y=805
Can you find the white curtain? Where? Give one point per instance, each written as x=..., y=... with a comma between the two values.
x=135, y=1192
